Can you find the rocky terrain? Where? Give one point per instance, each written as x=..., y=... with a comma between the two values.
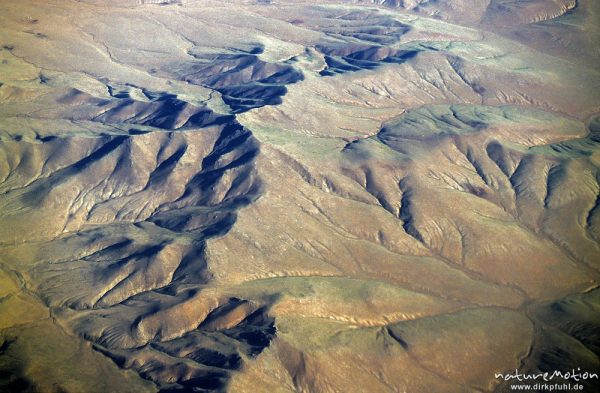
x=297, y=196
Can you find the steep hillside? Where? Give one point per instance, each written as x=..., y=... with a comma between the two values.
x=297, y=196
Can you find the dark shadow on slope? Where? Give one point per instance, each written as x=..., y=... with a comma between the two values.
x=567, y=340
x=12, y=374
x=244, y=80
x=40, y=188
x=161, y=111
x=119, y=273
x=210, y=355
x=351, y=58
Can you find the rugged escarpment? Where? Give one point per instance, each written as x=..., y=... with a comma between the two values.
x=136, y=210
x=302, y=196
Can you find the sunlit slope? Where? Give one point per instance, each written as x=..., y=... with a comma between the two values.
x=244, y=196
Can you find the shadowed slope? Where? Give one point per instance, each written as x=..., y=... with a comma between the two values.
x=437, y=191
x=135, y=211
